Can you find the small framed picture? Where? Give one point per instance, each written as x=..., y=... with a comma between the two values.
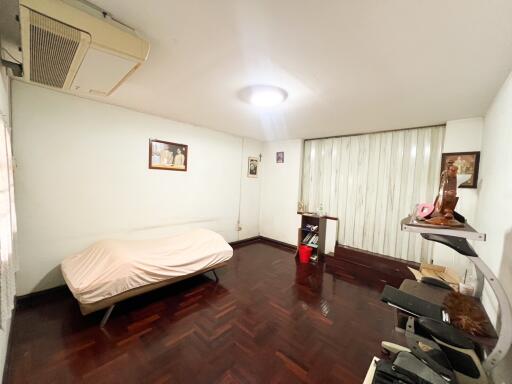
x=279, y=157
x=252, y=167
x=467, y=164
x=167, y=155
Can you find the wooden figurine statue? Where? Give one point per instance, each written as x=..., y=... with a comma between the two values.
x=446, y=200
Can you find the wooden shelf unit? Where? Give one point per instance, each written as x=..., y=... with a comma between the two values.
x=312, y=219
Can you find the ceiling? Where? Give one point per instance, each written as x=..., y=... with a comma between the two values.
x=349, y=66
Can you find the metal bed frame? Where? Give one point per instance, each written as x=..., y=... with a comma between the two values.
x=110, y=302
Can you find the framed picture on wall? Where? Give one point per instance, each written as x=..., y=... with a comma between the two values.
x=279, y=157
x=467, y=164
x=252, y=167
x=167, y=155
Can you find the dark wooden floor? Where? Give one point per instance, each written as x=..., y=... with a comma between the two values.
x=269, y=320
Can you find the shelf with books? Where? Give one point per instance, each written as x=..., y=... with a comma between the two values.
x=310, y=238
x=312, y=233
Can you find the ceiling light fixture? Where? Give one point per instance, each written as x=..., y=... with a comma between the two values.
x=264, y=95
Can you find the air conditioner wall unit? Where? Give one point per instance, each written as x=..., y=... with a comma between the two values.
x=70, y=45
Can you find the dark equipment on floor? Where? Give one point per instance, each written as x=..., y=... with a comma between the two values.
x=437, y=353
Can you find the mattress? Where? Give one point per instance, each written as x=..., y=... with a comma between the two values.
x=111, y=267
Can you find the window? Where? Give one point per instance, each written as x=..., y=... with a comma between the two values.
x=370, y=182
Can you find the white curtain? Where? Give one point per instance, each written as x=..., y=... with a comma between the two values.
x=370, y=182
x=7, y=227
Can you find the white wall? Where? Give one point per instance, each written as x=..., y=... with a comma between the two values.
x=249, y=210
x=461, y=136
x=250, y=191
x=82, y=175
x=280, y=190
x=494, y=209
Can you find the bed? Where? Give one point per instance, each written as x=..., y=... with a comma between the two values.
x=110, y=271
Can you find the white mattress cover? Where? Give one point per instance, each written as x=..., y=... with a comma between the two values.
x=110, y=267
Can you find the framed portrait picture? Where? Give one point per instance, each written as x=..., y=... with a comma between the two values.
x=467, y=164
x=252, y=167
x=167, y=155
x=279, y=157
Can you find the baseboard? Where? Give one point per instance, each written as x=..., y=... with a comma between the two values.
x=278, y=243
x=241, y=243
x=263, y=239
x=34, y=297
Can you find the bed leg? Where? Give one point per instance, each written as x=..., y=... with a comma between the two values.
x=215, y=275
x=106, y=316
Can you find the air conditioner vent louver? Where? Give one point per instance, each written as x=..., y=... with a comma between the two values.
x=53, y=46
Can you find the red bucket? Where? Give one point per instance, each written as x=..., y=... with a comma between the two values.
x=305, y=253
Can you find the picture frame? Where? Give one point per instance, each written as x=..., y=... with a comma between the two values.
x=252, y=167
x=467, y=163
x=279, y=157
x=166, y=155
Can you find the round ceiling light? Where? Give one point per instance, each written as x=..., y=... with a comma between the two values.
x=264, y=95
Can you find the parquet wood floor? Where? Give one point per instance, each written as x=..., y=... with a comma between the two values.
x=268, y=320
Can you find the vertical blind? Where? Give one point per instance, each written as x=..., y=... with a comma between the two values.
x=370, y=182
x=7, y=227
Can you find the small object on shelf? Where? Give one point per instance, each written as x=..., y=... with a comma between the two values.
x=424, y=210
x=311, y=227
x=300, y=207
x=320, y=211
x=446, y=200
x=466, y=289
